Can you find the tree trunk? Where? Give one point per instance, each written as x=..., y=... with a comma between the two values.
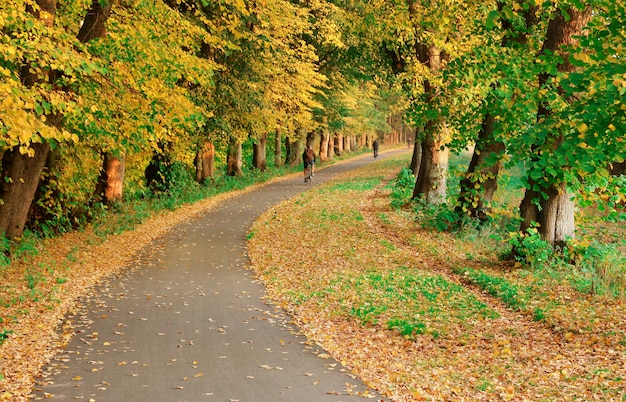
x=20, y=178
x=323, y=154
x=46, y=12
x=94, y=25
x=551, y=205
x=617, y=168
x=111, y=181
x=431, y=182
x=346, y=143
x=338, y=149
x=259, y=147
x=555, y=214
x=416, y=159
x=205, y=162
x=278, y=157
x=481, y=179
x=432, y=177
x=294, y=156
x=330, y=146
x=47, y=191
x=21, y=172
x=234, y=159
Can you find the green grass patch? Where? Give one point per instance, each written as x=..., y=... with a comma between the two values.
x=356, y=184
x=499, y=287
x=411, y=301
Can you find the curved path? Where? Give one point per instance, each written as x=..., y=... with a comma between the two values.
x=187, y=322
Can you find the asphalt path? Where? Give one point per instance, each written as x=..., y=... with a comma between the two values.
x=188, y=322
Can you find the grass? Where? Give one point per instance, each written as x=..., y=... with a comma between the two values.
x=412, y=301
x=431, y=307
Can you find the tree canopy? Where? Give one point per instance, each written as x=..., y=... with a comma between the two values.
x=162, y=79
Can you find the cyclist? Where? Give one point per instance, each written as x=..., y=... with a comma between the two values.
x=308, y=157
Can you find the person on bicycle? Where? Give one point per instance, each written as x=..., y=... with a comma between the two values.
x=375, y=147
x=308, y=157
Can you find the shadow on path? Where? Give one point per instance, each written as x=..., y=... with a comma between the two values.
x=187, y=322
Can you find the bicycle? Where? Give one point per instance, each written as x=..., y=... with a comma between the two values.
x=308, y=175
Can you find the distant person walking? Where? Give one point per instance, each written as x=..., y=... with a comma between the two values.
x=308, y=158
x=375, y=147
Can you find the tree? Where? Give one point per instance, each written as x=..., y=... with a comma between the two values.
x=234, y=160
x=502, y=68
x=25, y=158
x=110, y=183
x=205, y=161
x=431, y=182
x=548, y=202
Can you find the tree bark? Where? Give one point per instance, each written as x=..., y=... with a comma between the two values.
x=330, y=147
x=294, y=156
x=323, y=154
x=278, y=157
x=431, y=182
x=111, y=181
x=346, y=143
x=205, y=162
x=338, y=148
x=617, y=168
x=94, y=25
x=20, y=178
x=234, y=159
x=259, y=159
x=551, y=205
x=416, y=159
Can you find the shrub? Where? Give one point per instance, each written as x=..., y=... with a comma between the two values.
x=531, y=250
x=600, y=269
x=403, y=188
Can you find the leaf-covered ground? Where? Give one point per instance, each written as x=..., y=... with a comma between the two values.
x=37, y=292
x=420, y=315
